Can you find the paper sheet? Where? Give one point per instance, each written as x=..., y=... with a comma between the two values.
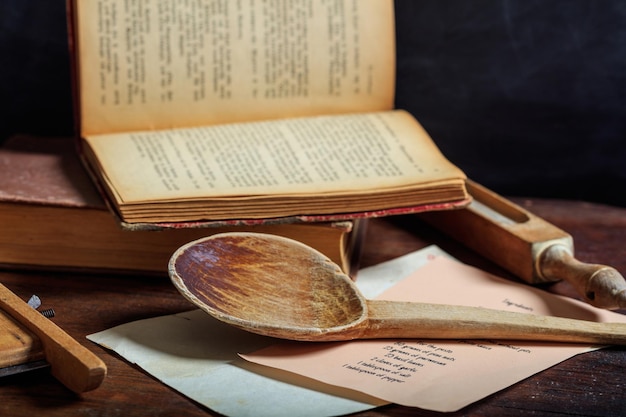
x=439, y=375
x=197, y=356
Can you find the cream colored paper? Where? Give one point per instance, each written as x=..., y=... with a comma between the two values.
x=439, y=375
x=197, y=356
x=256, y=159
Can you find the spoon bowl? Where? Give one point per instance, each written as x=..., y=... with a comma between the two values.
x=257, y=282
x=279, y=287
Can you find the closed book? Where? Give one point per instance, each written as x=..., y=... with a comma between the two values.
x=52, y=217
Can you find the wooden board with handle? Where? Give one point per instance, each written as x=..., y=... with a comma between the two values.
x=18, y=345
x=28, y=335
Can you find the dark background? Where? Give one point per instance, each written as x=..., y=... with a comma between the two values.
x=528, y=97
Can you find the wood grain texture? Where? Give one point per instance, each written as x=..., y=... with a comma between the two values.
x=17, y=344
x=269, y=285
x=586, y=385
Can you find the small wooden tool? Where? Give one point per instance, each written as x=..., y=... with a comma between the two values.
x=28, y=336
x=528, y=246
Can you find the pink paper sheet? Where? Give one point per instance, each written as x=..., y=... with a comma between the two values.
x=433, y=374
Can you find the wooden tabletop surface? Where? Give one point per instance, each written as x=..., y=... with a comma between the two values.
x=593, y=384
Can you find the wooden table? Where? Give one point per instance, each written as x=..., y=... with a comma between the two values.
x=593, y=384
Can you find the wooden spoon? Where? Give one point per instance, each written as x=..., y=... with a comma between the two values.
x=279, y=287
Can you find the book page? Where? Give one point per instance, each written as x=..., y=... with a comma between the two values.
x=339, y=155
x=170, y=63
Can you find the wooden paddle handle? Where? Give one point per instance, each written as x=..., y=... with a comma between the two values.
x=528, y=246
x=501, y=231
x=71, y=363
x=391, y=319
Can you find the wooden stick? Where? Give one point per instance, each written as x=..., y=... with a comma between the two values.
x=528, y=246
x=71, y=363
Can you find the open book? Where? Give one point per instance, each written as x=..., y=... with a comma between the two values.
x=266, y=111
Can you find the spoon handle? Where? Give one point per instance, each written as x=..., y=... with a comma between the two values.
x=392, y=319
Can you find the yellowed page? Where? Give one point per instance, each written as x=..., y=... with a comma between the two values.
x=170, y=63
x=436, y=374
x=344, y=154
